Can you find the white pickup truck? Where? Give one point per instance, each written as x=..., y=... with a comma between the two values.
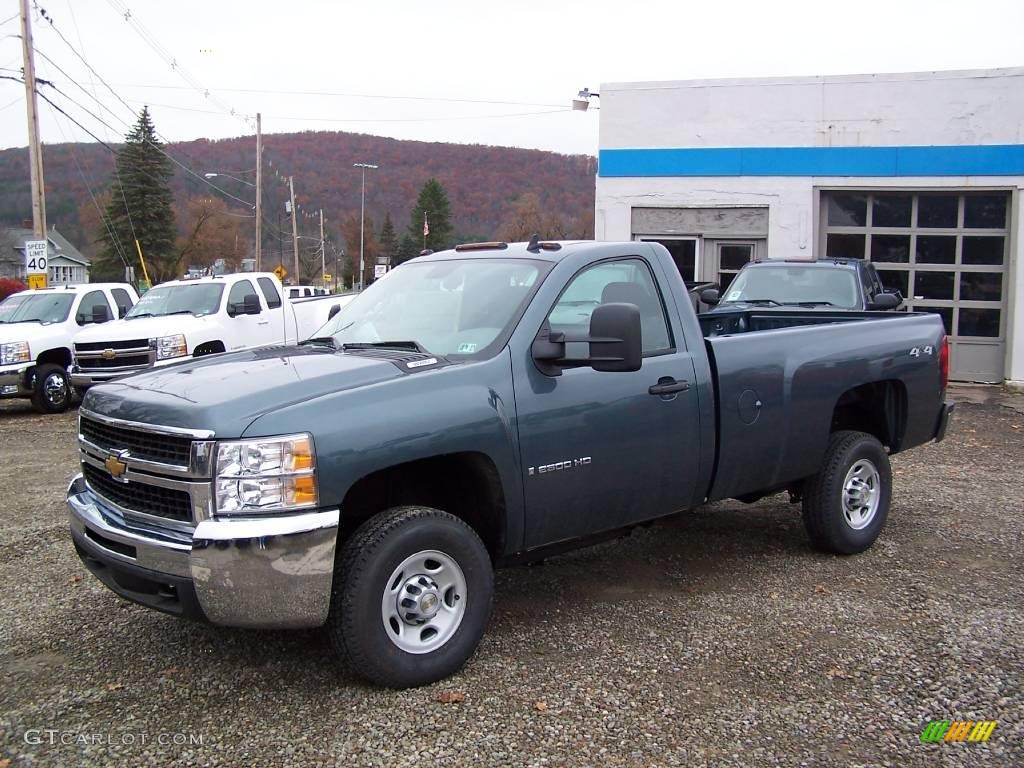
x=187, y=318
x=38, y=329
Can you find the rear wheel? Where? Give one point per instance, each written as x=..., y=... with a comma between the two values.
x=412, y=596
x=847, y=502
x=51, y=390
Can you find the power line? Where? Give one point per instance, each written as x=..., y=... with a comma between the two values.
x=381, y=96
x=370, y=119
x=171, y=61
x=115, y=241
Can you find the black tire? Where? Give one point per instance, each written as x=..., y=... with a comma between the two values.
x=365, y=567
x=827, y=518
x=51, y=398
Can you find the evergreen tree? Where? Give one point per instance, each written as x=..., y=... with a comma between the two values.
x=388, y=241
x=432, y=205
x=140, y=207
x=408, y=248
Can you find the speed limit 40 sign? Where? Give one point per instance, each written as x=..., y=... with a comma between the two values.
x=36, y=267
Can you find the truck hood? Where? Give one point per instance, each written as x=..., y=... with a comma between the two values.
x=151, y=328
x=40, y=337
x=225, y=393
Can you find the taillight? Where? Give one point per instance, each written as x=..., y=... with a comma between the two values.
x=944, y=361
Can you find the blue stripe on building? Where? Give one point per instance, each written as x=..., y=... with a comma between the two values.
x=972, y=160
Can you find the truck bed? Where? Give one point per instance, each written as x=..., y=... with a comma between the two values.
x=780, y=374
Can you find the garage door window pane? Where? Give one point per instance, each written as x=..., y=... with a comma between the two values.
x=934, y=211
x=845, y=247
x=983, y=250
x=891, y=210
x=985, y=211
x=946, y=313
x=847, y=210
x=981, y=286
x=891, y=248
x=936, y=249
x=895, y=280
x=978, y=322
x=933, y=285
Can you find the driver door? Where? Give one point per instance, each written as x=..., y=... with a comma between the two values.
x=599, y=450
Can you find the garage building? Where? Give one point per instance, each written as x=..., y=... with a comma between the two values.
x=921, y=173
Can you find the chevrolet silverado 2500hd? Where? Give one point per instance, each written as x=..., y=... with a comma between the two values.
x=484, y=406
x=39, y=331
x=194, y=317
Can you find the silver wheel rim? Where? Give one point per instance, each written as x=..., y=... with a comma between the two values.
x=55, y=388
x=424, y=602
x=861, y=493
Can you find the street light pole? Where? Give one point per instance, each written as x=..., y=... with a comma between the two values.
x=362, y=219
x=323, y=248
x=35, y=149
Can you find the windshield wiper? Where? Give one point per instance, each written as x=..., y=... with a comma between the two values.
x=809, y=304
x=178, y=312
x=415, y=346
x=139, y=314
x=327, y=341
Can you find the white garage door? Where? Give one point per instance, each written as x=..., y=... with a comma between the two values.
x=946, y=251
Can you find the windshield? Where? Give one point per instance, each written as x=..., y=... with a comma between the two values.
x=795, y=285
x=42, y=308
x=8, y=305
x=447, y=307
x=199, y=299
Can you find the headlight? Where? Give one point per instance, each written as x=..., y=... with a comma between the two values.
x=14, y=352
x=171, y=346
x=266, y=474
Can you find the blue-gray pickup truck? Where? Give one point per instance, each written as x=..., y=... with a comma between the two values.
x=479, y=407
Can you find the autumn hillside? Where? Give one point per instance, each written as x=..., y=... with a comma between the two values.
x=482, y=182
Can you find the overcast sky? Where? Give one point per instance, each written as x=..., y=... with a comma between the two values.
x=529, y=58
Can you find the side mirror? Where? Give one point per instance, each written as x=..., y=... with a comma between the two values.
x=100, y=313
x=251, y=305
x=614, y=339
x=885, y=301
x=710, y=296
x=334, y=310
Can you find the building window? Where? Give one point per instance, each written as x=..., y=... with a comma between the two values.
x=946, y=251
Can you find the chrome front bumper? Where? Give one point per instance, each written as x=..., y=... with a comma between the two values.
x=13, y=381
x=274, y=572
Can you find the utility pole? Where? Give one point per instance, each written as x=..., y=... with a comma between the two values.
x=259, y=194
x=295, y=230
x=35, y=148
x=323, y=248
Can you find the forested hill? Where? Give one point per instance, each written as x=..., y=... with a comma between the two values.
x=482, y=181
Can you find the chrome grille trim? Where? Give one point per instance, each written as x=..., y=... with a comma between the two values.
x=200, y=495
x=196, y=434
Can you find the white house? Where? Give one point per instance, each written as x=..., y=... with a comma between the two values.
x=921, y=173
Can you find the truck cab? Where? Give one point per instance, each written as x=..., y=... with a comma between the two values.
x=38, y=332
x=183, y=319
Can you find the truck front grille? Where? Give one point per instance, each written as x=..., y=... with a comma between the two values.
x=101, y=363
x=165, y=449
x=99, y=346
x=140, y=497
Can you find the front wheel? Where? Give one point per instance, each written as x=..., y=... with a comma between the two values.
x=51, y=390
x=412, y=596
x=847, y=502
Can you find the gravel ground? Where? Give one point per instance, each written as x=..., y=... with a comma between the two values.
x=718, y=638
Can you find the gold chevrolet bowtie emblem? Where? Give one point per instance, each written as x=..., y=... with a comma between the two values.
x=115, y=466
x=108, y=354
